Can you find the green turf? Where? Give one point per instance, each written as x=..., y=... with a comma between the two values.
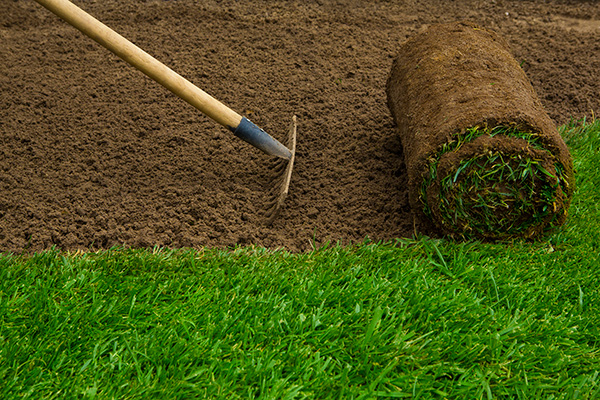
x=496, y=195
x=419, y=319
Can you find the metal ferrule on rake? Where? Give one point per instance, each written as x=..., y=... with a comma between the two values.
x=254, y=135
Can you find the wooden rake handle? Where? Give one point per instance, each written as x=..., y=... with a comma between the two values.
x=165, y=76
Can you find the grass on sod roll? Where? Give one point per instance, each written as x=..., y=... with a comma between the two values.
x=494, y=194
x=419, y=319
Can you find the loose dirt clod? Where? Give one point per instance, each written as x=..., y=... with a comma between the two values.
x=483, y=158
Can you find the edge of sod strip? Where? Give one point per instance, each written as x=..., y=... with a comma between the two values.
x=495, y=194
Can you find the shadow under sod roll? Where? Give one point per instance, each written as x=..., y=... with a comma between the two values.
x=484, y=159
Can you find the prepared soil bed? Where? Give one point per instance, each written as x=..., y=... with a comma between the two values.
x=484, y=160
x=93, y=154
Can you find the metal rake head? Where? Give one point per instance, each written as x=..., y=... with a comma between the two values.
x=283, y=175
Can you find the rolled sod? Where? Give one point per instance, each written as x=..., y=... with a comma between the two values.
x=484, y=159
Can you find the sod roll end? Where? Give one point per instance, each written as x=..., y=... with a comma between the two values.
x=484, y=159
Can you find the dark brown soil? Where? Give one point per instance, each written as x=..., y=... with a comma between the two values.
x=457, y=76
x=94, y=154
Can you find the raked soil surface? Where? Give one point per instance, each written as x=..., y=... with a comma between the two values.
x=94, y=154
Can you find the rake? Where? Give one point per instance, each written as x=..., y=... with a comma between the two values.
x=241, y=127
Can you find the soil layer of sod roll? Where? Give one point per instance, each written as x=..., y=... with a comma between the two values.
x=484, y=159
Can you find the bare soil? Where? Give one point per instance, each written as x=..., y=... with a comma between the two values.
x=93, y=154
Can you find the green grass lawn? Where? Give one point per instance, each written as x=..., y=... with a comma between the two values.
x=414, y=319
